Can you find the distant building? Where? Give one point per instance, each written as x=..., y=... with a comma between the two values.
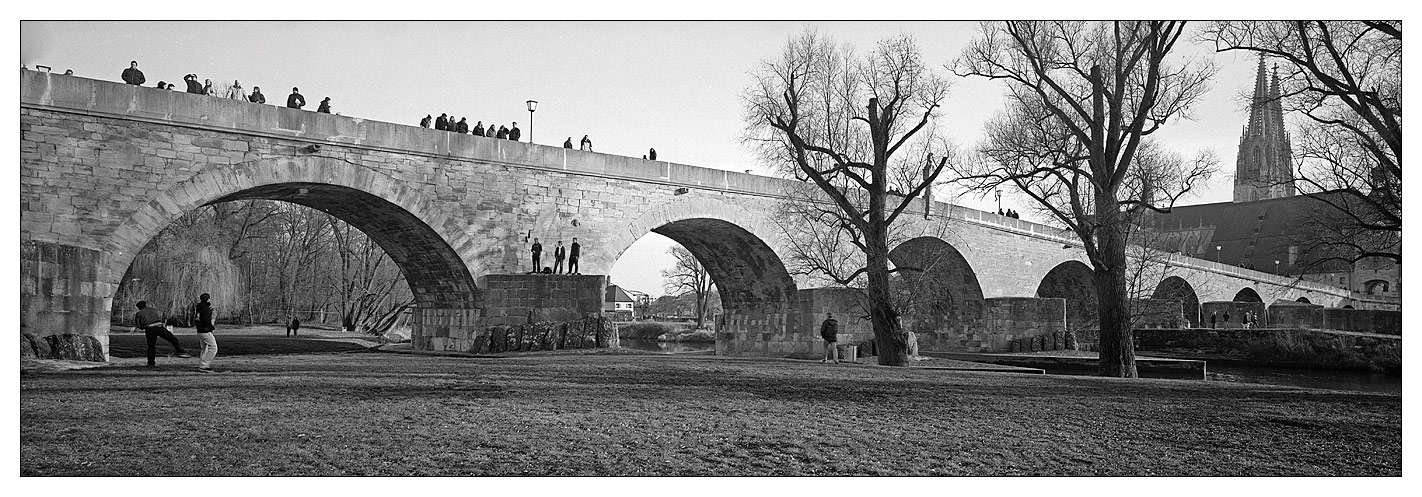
x=1264, y=168
x=616, y=301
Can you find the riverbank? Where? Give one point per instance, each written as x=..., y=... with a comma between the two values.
x=578, y=414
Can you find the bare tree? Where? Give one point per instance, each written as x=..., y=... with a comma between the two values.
x=373, y=291
x=689, y=276
x=1345, y=78
x=848, y=125
x=1083, y=96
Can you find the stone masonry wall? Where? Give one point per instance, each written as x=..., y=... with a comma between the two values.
x=1294, y=315
x=1010, y=318
x=1366, y=320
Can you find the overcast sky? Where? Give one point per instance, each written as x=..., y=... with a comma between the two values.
x=628, y=85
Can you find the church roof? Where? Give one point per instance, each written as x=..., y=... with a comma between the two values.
x=1245, y=234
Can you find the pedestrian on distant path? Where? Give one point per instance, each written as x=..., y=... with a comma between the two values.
x=295, y=100
x=442, y=122
x=1244, y=321
x=151, y=322
x=235, y=91
x=503, y=133
x=479, y=128
x=537, y=255
x=292, y=324
x=257, y=97
x=586, y=144
x=568, y=143
x=829, y=330
x=132, y=75
x=652, y=154
x=514, y=133
x=462, y=127
x=205, y=335
x=1226, y=319
x=325, y=107
x=194, y=86
x=1213, y=318
x=558, y=254
x=574, y=251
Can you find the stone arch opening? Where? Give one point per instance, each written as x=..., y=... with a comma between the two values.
x=1247, y=295
x=429, y=250
x=1176, y=288
x=1374, y=287
x=1073, y=281
x=939, y=289
x=1303, y=299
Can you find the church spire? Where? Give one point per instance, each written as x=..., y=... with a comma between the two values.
x=1264, y=168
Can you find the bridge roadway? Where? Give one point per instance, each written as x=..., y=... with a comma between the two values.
x=105, y=166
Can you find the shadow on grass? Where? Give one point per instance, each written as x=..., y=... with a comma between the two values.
x=134, y=345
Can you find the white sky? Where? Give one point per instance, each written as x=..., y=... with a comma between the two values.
x=630, y=85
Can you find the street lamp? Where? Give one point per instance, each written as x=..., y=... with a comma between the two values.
x=532, y=104
x=998, y=192
x=1217, y=253
x=1276, y=266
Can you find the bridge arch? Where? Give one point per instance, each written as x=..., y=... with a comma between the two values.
x=1176, y=288
x=1072, y=280
x=1303, y=299
x=947, y=276
x=1247, y=294
x=434, y=254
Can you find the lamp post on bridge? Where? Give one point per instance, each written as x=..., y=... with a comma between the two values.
x=998, y=192
x=532, y=105
x=1276, y=267
x=1217, y=253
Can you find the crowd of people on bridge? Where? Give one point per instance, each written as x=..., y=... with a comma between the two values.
x=446, y=122
x=1010, y=213
x=572, y=253
x=234, y=91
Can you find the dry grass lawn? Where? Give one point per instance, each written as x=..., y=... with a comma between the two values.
x=367, y=413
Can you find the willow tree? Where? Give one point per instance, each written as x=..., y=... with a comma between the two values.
x=848, y=124
x=1082, y=98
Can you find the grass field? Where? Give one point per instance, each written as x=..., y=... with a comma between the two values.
x=369, y=413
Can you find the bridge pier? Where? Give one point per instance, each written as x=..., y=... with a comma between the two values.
x=64, y=303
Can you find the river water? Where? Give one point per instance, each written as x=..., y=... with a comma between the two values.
x=651, y=345
x=1307, y=378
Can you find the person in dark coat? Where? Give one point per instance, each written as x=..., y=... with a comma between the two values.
x=514, y=133
x=1214, y=317
x=479, y=128
x=205, y=328
x=558, y=254
x=652, y=154
x=257, y=97
x=462, y=127
x=503, y=133
x=574, y=251
x=295, y=100
x=586, y=144
x=537, y=255
x=132, y=75
x=151, y=322
x=829, y=331
x=568, y=143
x=193, y=85
x=292, y=324
x=442, y=122
x=325, y=107
x=425, y=123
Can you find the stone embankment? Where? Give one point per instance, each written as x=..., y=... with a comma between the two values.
x=592, y=331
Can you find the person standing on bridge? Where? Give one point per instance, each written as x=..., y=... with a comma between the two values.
x=425, y=123
x=235, y=91
x=204, y=330
x=325, y=107
x=194, y=86
x=491, y=132
x=479, y=128
x=558, y=254
x=295, y=100
x=829, y=331
x=151, y=322
x=132, y=75
x=503, y=133
x=586, y=144
x=514, y=133
x=537, y=256
x=207, y=88
x=574, y=251
x=257, y=97
x=462, y=127
x=568, y=143
x=442, y=122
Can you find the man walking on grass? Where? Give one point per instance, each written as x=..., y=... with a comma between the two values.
x=204, y=329
x=151, y=322
x=829, y=330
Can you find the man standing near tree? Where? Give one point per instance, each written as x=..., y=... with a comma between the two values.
x=829, y=330
x=204, y=330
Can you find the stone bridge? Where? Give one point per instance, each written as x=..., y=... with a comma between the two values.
x=105, y=166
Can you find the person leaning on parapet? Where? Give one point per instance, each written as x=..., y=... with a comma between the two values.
x=558, y=254
x=478, y=128
x=491, y=132
x=568, y=143
x=150, y=321
x=829, y=330
x=425, y=123
x=132, y=75
x=207, y=88
x=295, y=100
x=194, y=86
x=257, y=97
x=462, y=127
x=574, y=251
x=325, y=107
x=442, y=122
x=514, y=133
x=586, y=144
x=204, y=329
x=652, y=154
x=235, y=91
x=503, y=133
x=537, y=255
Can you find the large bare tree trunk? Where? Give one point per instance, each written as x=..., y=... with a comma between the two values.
x=1117, y=351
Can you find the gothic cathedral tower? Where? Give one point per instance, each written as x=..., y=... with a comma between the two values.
x=1264, y=168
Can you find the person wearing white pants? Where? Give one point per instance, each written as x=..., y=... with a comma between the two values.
x=204, y=329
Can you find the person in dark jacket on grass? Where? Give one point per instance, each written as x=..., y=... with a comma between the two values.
x=292, y=324
x=151, y=322
x=132, y=75
x=829, y=330
x=204, y=329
